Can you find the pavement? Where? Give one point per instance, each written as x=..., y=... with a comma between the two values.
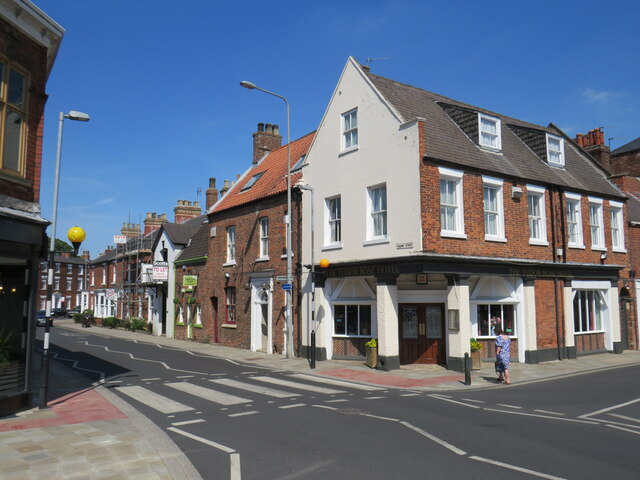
x=88, y=432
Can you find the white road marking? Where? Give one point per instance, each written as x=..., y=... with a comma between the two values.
x=208, y=394
x=410, y=394
x=234, y=460
x=248, y=373
x=299, y=386
x=380, y=418
x=540, y=416
x=513, y=467
x=472, y=400
x=439, y=441
x=623, y=417
x=587, y=415
x=154, y=400
x=149, y=379
x=219, y=446
x=548, y=412
x=114, y=381
x=448, y=399
x=74, y=364
x=325, y=406
x=242, y=414
x=337, y=400
x=509, y=406
x=374, y=398
x=272, y=392
x=185, y=376
x=338, y=383
x=295, y=405
x=625, y=429
x=188, y=422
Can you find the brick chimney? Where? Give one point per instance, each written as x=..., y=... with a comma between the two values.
x=86, y=255
x=265, y=140
x=211, y=193
x=153, y=222
x=130, y=230
x=225, y=188
x=593, y=144
x=185, y=210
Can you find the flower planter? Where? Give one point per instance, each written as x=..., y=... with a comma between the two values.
x=476, y=360
x=372, y=357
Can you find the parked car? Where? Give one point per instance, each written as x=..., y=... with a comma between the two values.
x=59, y=312
x=73, y=311
x=41, y=318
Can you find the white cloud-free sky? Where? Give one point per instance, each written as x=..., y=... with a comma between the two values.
x=160, y=81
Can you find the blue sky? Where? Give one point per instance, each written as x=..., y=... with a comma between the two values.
x=160, y=81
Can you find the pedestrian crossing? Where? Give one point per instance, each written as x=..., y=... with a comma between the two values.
x=236, y=392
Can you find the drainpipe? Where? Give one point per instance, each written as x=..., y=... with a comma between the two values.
x=554, y=245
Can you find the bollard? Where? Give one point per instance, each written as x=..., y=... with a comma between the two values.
x=467, y=369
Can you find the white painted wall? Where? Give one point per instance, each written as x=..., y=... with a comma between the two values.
x=172, y=253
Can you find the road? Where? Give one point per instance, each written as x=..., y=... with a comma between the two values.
x=251, y=422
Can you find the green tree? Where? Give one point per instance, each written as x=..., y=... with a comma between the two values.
x=62, y=246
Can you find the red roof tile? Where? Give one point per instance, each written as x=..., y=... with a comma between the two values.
x=272, y=182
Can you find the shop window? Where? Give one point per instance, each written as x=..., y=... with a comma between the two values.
x=588, y=311
x=505, y=315
x=352, y=320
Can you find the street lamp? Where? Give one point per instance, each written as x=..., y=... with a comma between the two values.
x=44, y=384
x=312, y=361
x=289, y=316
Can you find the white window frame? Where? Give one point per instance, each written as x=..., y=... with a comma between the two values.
x=93, y=277
x=333, y=223
x=349, y=131
x=539, y=193
x=69, y=267
x=358, y=304
x=57, y=265
x=598, y=303
x=373, y=215
x=617, y=224
x=559, y=151
x=497, y=135
x=495, y=184
x=80, y=283
x=264, y=238
x=69, y=287
x=574, y=208
x=104, y=274
x=198, y=315
x=597, y=222
x=456, y=177
x=231, y=245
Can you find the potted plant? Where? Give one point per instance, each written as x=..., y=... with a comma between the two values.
x=476, y=354
x=372, y=353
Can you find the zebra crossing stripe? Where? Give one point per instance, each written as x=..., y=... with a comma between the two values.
x=208, y=394
x=153, y=400
x=296, y=385
x=337, y=383
x=272, y=392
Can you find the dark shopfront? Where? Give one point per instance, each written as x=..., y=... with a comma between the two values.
x=440, y=302
x=21, y=240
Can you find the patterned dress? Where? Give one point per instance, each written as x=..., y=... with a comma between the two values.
x=505, y=353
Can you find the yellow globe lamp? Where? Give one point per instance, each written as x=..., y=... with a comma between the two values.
x=76, y=236
x=324, y=263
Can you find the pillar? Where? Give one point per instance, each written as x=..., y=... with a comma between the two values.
x=387, y=317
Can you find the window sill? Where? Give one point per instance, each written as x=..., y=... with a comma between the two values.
x=488, y=149
x=579, y=247
x=353, y=336
x=263, y=259
x=347, y=151
x=375, y=241
x=540, y=243
x=618, y=250
x=333, y=246
x=228, y=325
x=495, y=239
x=229, y=264
x=597, y=248
x=588, y=333
x=453, y=235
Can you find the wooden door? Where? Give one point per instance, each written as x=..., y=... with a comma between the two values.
x=421, y=329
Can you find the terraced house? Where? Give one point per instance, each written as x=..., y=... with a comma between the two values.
x=446, y=216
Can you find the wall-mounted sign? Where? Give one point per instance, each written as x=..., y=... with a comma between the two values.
x=160, y=272
x=190, y=281
x=119, y=239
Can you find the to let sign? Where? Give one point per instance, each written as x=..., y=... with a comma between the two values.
x=160, y=271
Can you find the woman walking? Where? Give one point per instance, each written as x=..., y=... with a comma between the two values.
x=503, y=343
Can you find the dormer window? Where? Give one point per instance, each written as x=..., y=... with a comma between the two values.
x=299, y=163
x=555, y=150
x=350, y=130
x=489, y=132
x=252, y=182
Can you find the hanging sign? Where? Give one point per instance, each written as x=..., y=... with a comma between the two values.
x=160, y=271
x=190, y=281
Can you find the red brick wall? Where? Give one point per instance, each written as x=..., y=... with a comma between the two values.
x=30, y=58
x=212, y=281
x=628, y=164
x=546, y=326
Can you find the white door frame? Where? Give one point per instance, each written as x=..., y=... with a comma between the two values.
x=257, y=284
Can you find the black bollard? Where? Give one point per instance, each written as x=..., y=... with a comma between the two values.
x=467, y=369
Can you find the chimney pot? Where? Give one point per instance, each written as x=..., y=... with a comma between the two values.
x=212, y=182
x=261, y=127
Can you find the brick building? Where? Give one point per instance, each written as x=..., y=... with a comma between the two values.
x=445, y=218
x=29, y=42
x=70, y=282
x=239, y=302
